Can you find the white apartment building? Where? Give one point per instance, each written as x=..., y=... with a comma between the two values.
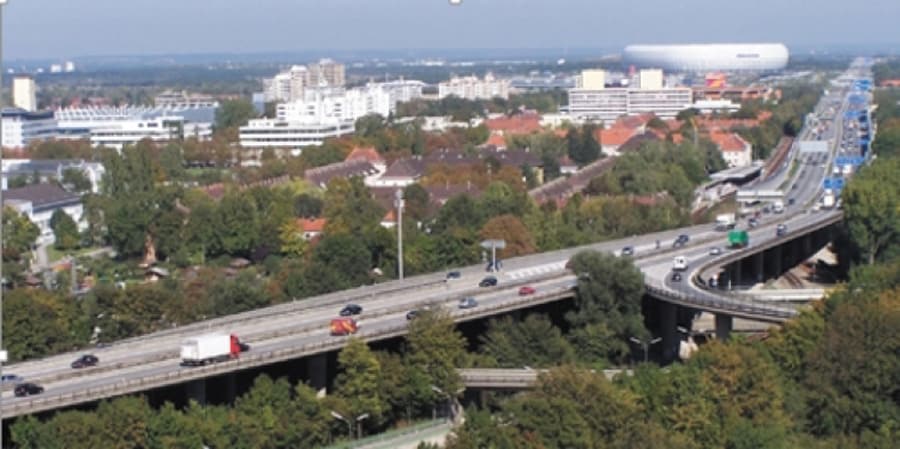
x=472, y=88
x=160, y=129
x=401, y=90
x=608, y=104
x=24, y=93
x=291, y=85
x=21, y=127
x=320, y=114
x=50, y=169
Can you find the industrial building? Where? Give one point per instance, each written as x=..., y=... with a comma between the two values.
x=708, y=57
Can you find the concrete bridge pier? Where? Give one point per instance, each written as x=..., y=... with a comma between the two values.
x=759, y=268
x=807, y=244
x=195, y=390
x=230, y=387
x=724, y=325
x=671, y=339
x=777, y=259
x=317, y=373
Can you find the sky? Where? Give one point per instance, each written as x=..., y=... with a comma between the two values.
x=36, y=29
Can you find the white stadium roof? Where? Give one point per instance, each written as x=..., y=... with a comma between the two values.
x=705, y=57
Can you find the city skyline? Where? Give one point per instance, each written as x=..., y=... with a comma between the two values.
x=37, y=29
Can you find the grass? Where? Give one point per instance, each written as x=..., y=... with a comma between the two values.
x=54, y=255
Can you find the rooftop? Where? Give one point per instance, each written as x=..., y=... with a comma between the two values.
x=42, y=196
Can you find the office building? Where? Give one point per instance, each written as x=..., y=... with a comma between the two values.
x=24, y=93
x=650, y=79
x=597, y=102
x=591, y=79
x=472, y=88
x=401, y=90
x=21, y=127
x=121, y=133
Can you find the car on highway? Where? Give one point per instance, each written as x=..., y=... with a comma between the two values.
x=85, y=361
x=715, y=251
x=628, y=251
x=791, y=201
x=11, y=379
x=350, y=310
x=526, y=290
x=468, y=303
x=27, y=389
x=781, y=229
x=676, y=277
x=489, y=281
x=753, y=223
x=454, y=275
x=681, y=240
x=713, y=282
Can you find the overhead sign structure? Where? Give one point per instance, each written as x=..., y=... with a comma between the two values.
x=494, y=245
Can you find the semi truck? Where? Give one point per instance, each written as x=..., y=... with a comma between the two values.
x=725, y=222
x=211, y=349
x=680, y=263
x=828, y=200
x=343, y=326
x=738, y=239
x=778, y=207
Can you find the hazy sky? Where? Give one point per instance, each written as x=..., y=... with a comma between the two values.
x=70, y=28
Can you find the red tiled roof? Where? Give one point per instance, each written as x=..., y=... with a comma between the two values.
x=496, y=140
x=368, y=154
x=633, y=121
x=389, y=217
x=517, y=124
x=614, y=136
x=728, y=142
x=313, y=225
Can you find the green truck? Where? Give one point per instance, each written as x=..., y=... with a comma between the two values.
x=738, y=239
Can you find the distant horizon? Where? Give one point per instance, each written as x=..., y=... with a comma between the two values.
x=52, y=29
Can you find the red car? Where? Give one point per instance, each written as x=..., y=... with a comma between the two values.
x=526, y=290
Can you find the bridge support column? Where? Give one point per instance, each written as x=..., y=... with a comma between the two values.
x=231, y=387
x=736, y=273
x=777, y=259
x=807, y=243
x=724, y=324
x=759, y=269
x=670, y=338
x=196, y=391
x=317, y=373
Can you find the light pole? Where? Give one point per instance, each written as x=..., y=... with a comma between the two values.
x=645, y=344
x=3, y=354
x=337, y=415
x=399, y=203
x=359, y=420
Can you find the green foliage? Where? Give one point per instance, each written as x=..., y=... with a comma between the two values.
x=19, y=235
x=234, y=113
x=872, y=210
x=359, y=381
x=76, y=178
x=436, y=350
x=39, y=323
x=65, y=230
x=582, y=145
x=534, y=342
x=608, y=302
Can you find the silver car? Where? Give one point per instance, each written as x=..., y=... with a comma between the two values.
x=468, y=303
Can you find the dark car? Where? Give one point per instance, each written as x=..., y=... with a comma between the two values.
x=781, y=230
x=681, y=240
x=351, y=309
x=676, y=277
x=489, y=281
x=454, y=275
x=628, y=251
x=791, y=201
x=753, y=222
x=11, y=379
x=412, y=314
x=85, y=361
x=28, y=389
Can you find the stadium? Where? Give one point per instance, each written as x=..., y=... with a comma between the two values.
x=708, y=57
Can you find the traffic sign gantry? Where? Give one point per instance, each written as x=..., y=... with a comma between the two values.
x=493, y=245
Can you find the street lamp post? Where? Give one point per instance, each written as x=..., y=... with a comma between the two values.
x=645, y=344
x=399, y=203
x=359, y=420
x=337, y=415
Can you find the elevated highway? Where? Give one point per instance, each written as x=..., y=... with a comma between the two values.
x=300, y=329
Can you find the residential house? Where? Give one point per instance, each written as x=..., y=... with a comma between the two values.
x=401, y=173
x=321, y=176
x=39, y=201
x=736, y=151
x=567, y=166
x=311, y=228
x=48, y=170
x=613, y=138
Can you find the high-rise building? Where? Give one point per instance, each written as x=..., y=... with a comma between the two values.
x=592, y=79
x=472, y=88
x=598, y=102
x=24, y=92
x=292, y=84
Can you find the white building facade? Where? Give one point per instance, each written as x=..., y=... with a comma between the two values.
x=24, y=93
x=291, y=84
x=597, y=102
x=39, y=201
x=119, y=134
x=473, y=88
x=21, y=127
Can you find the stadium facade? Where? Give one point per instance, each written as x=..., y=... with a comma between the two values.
x=708, y=57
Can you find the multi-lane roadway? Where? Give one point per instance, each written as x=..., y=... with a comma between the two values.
x=301, y=328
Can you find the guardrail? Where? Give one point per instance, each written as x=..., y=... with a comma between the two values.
x=419, y=428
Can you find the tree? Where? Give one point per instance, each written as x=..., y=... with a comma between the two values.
x=349, y=207
x=19, y=235
x=872, y=210
x=65, y=230
x=359, y=380
x=38, y=323
x=237, y=224
x=608, y=305
x=242, y=293
x=436, y=350
x=76, y=179
x=308, y=206
x=234, y=113
x=534, y=342
x=339, y=262
x=418, y=202
x=518, y=239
